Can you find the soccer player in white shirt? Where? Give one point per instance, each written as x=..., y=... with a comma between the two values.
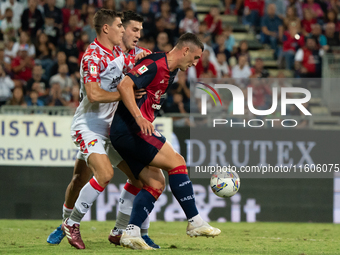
x=100, y=73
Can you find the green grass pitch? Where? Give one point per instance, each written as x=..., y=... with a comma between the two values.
x=29, y=237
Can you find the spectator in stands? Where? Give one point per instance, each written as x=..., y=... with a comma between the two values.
x=24, y=39
x=292, y=41
x=280, y=7
x=37, y=82
x=307, y=22
x=62, y=59
x=189, y=24
x=73, y=27
x=272, y=29
x=46, y=51
x=63, y=80
x=242, y=69
x=204, y=66
x=22, y=65
x=9, y=25
x=162, y=41
x=332, y=36
x=308, y=60
x=180, y=14
x=205, y=36
x=334, y=5
x=5, y=61
x=110, y=4
x=213, y=21
x=182, y=87
x=10, y=50
x=17, y=97
x=52, y=31
x=332, y=18
x=69, y=10
x=258, y=71
x=291, y=18
x=6, y=86
x=261, y=89
x=238, y=6
x=317, y=34
x=314, y=8
x=253, y=10
x=130, y=5
x=55, y=98
x=70, y=48
x=222, y=67
x=167, y=15
x=220, y=46
x=52, y=11
x=243, y=50
x=296, y=5
x=89, y=28
x=16, y=7
x=74, y=102
x=149, y=18
x=229, y=42
x=32, y=19
x=84, y=39
x=34, y=100
x=161, y=27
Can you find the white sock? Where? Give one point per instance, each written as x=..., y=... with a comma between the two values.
x=88, y=194
x=196, y=221
x=66, y=212
x=145, y=226
x=127, y=197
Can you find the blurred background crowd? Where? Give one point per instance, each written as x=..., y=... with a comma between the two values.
x=42, y=43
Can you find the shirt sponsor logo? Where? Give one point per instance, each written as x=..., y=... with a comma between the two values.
x=156, y=106
x=92, y=143
x=142, y=70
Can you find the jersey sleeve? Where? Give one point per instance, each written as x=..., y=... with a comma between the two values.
x=143, y=73
x=91, y=68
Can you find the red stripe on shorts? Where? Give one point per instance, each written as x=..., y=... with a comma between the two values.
x=151, y=140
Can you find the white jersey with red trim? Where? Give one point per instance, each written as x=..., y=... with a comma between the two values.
x=130, y=56
x=104, y=66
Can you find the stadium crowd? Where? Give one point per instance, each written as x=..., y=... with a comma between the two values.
x=42, y=43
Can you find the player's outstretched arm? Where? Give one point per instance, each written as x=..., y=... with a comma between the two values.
x=125, y=89
x=96, y=94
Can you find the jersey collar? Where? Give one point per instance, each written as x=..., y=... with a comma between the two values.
x=103, y=47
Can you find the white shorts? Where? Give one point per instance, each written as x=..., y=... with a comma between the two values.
x=89, y=142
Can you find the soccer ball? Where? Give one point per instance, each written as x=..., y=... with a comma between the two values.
x=225, y=184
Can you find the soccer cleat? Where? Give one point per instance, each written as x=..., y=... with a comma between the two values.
x=150, y=242
x=56, y=236
x=131, y=239
x=115, y=236
x=73, y=235
x=204, y=230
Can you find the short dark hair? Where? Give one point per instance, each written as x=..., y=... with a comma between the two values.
x=130, y=15
x=189, y=38
x=104, y=16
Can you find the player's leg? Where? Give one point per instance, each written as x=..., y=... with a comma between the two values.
x=172, y=162
x=81, y=175
x=154, y=184
x=169, y=160
x=131, y=189
x=92, y=146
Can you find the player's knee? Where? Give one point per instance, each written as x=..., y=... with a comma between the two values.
x=105, y=177
x=136, y=183
x=162, y=183
x=180, y=159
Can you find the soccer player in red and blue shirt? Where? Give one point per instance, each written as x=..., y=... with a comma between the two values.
x=133, y=136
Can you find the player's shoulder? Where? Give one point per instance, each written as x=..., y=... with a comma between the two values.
x=154, y=57
x=139, y=49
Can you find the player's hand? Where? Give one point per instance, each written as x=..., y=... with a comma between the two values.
x=141, y=55
x=139, y=93
x=146, y=126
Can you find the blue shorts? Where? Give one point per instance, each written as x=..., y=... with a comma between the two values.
x=137, y=149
